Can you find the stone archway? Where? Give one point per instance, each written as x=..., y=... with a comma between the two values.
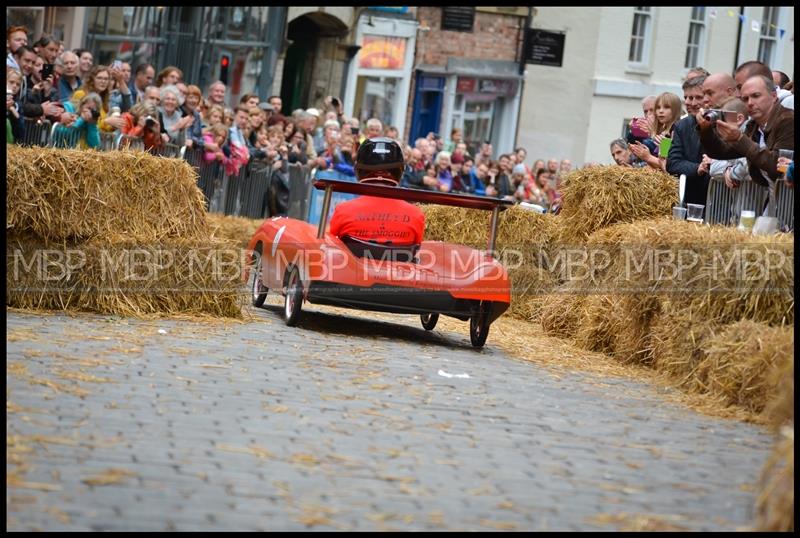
x=309, y=66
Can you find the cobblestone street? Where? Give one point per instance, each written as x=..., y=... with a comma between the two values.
x=346, y=422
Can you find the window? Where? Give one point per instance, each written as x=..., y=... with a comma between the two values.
x=640, y=35
x=767, y=39
x=697, y=35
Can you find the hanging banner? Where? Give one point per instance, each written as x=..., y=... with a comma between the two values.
x=381, y=52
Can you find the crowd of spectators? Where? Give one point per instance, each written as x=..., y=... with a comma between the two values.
x=44, y=81
x=726, y=125
x=157, y=106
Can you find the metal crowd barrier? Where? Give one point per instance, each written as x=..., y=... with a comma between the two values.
x=170, y=150
x=724, y=205
x=749, y=196
x=128, y=142
x=719, y=203
x=256, y=190
x=36, y=132
x=106, y=141
x=300, y=187
x=64, y=137
x=784, y=206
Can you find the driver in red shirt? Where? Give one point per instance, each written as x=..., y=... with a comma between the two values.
x=382, y=220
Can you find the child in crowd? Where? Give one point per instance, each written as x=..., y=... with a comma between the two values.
x=88, y=110
x=734, y=170
x=214, y=138
x=668, y=109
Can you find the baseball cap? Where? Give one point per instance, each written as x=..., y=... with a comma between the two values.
x=313, y=112
x=263, y=105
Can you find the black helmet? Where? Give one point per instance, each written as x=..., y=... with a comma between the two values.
x=376, y=155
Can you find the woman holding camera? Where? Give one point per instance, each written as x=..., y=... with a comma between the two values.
x=142, y=121
x=99, y=81
x=87, y=109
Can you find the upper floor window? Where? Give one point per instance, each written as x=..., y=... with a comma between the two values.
x=767, y=40
x=640, y=35
x=697, y=36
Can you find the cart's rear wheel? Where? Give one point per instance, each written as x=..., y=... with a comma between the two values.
x=429, y=321
x=258, y=288
x=293, y=300
x=479, y=325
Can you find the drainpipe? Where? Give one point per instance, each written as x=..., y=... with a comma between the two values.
x=738, y=39
x=528, y=21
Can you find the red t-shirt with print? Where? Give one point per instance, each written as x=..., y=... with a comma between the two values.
x=379, y=219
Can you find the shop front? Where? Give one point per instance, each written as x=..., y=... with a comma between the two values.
x=379, y=80
x=479, y=97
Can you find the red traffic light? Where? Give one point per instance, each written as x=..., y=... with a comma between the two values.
x=224, y=61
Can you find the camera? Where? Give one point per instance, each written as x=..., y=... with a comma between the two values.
x=713, y=115
x=335, y=102
x=149, y=122
x=95, y=114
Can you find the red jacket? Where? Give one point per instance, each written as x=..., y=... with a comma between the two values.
x=379, y=219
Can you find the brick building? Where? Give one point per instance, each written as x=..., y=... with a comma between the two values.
x=466, y=74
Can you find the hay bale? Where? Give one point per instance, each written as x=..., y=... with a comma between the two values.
x=735, y=275
x=559, y=312
x=519, y=230
x=740, y=362
x=73, y=195
x=175, y=276
x=596, y=197
x=618, y=325
x=235, y=230
x=775, y=502
x=678, y=338
x=528, y=287
x=780, y=408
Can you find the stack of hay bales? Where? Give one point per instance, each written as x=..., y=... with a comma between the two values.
x=597, y=197
x=113, y=232
x=524, y=240
x=775, y=503
x=236, y=230
x=671, y=284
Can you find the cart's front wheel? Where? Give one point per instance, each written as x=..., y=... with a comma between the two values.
x=429, y=321
x=479, y=325
x=293, y=300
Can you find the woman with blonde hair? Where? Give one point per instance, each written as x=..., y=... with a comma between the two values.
x=668, y=108
x=87, y=108
x=99, y=81
x=142, y=121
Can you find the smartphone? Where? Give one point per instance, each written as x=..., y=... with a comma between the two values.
x=354, y=130
x=636, y=131
x=47, y=70
x=116, y=65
